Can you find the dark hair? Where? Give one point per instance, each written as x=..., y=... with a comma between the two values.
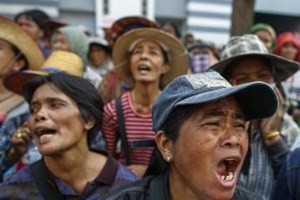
x=80, y=90
x=157, y=164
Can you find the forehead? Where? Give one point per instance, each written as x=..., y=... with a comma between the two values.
x=249, y=64
x=47, y=90
x=147, y=42
x=4, y=42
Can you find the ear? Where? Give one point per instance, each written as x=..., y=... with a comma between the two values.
x=165, y=68
x=89, y=124
x=18, y=65
x=165, y=146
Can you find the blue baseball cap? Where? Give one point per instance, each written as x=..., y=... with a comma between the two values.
x=256, y=99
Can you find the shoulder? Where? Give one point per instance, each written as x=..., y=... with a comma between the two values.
x=138, y=190
x=20, y=186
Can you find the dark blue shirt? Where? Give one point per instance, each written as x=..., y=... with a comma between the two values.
x=22, y=184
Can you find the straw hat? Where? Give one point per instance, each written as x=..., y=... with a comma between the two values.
x=246, y=45
x=178, y=56
x=13, y=34
x=58, y=61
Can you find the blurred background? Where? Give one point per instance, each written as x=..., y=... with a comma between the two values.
x=211, y=20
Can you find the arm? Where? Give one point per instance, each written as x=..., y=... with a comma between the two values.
x=110, y=127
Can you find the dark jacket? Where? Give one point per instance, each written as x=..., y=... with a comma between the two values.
x=149, y=188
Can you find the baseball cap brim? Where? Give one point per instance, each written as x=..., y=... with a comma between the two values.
x=283, y=68
x=256, y=99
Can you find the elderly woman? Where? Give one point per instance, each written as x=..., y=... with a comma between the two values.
x=201, y=154
x=245, y=59
x=64, y=119
x=147, y=59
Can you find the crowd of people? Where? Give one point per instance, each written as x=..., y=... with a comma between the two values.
x=145, y=112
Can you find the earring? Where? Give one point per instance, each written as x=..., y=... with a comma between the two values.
x=169, y=158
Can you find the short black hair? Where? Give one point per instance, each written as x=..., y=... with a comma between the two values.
x=36, y=15
x=181, y=114
x=78, y=89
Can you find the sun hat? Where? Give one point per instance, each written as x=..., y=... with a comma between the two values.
x=246, y=45
x=178, y=56
x=208, y=87
x=12, y=33
x=58, y=61
x=204, y=44
x=101, y=42
x=125, y=24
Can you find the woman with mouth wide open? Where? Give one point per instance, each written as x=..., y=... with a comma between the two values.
x=201, y=138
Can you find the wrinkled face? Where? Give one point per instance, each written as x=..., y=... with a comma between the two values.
x=60, y=42
x=147, y=62
x=7, y=57
x=265, y=37
x=210, y=149
x=30, y=27
x=251, y=69
x=289, y=51
x=97, y=55
x=55, y=121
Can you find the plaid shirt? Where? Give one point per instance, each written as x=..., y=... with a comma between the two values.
x=7, y=129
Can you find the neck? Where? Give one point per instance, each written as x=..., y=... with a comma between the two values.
x=179, y=189
x=76, y=167
x=4, y=93
x=143, y=97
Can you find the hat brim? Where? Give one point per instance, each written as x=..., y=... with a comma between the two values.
x=12, y=33
x=256, y=99
x=16, y=81
x=283, y=68
x=179, y=59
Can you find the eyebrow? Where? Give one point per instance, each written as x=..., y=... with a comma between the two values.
x=48, y=99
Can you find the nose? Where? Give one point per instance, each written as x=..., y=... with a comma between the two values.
x=230, y=138
x=144, y=55
x=40, y=116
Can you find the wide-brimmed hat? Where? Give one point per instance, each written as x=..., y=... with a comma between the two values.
x=126, y=24
x=249, y=45
x=210, y=86
x=58, y=61
x=12, y=33
x=178, y=56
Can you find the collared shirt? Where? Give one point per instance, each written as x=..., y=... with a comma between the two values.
x=288, y=180
x=23, y=186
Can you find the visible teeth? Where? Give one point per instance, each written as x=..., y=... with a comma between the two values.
x=228, y=176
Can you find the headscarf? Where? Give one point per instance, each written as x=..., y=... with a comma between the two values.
x=77, y=40
x=268, y=28
x=284, y=38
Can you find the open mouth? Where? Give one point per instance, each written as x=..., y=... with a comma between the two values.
x=144, y=68
x=44, y=131
x=227, y=169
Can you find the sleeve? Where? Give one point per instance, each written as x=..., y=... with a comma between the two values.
x=110, y=127
x=278, y=152
x=288, y=180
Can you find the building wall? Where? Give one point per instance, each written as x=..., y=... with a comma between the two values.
x=209, y=20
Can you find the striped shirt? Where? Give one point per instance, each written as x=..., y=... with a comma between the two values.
x=137, y=126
